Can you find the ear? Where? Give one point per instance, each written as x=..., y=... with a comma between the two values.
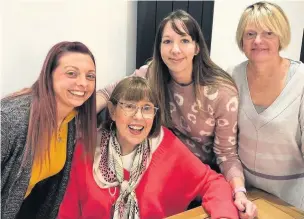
x=111, y=109
x=197, y=49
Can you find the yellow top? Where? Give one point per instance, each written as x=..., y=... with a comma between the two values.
x=58, y=149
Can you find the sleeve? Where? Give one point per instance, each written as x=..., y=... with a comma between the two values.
x=302, y=123
x=225, y=139
x=103, y=95
x=70, y=207
x=5, y=137
x=215, y=191
x=230, y=70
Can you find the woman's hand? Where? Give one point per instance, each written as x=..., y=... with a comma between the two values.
x=247, y=209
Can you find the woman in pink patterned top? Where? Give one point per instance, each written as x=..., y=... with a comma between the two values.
x=199, y=100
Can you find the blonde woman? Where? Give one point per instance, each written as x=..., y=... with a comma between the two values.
x=271, y=118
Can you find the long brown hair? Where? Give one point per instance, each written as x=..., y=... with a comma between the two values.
x=205, y=71
x=43, y=112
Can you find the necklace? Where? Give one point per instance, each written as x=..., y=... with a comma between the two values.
x=183, y=84
x=112, y=201
x=59, y=138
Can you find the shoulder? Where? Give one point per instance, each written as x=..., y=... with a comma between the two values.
x=14, y=123
x=299, y=73
x=16, y=102
x=166, y=141
x=173, y=143
x=218, y=93
x=179, y=152
x=300, y=68
x=142, y=71
x=16, y=109
x=237, y=70
x=296, y=71
x=168, y=135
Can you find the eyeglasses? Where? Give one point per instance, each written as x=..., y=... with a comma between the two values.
x=130, y=109
x=265, y=34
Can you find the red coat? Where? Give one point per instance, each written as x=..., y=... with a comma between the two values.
x=173, y=179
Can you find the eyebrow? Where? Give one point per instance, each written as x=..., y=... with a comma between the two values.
x=70, y=66
x=185, y=35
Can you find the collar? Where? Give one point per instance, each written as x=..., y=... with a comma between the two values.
x=70, y=116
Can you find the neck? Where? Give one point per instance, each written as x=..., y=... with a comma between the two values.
x=265, y=69
x=127, y=149
x=183, y=78
x=61, y=114
x=183, y=83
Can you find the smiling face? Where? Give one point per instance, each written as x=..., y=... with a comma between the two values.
x=177, y=52
x=73, y=80
x=260, y=45
x=132, y=129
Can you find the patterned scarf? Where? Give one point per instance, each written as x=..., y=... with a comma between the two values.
x=108, y=172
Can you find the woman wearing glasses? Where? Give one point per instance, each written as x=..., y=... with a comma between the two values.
x=199, y=101
x=271, y=118
x=140, y=169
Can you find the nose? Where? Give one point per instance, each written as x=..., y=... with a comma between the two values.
x=81, y=80
x=258, y=39
x=175, y=48
x=138, y=114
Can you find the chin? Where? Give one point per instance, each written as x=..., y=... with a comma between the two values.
x=136, y=141
x=77, y=104
x=176, y=70
x=259, y=59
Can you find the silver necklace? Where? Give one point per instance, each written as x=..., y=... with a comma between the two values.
x=112, y=201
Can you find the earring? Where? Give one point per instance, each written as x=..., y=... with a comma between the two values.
x=111, y=126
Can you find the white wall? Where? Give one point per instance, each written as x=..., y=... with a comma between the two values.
x=1, y=44
x=131, y=36
x=28, y=28
x=31, y=27
x=224, y=50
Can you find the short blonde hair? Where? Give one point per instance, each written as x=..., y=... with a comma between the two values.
x=265, y=15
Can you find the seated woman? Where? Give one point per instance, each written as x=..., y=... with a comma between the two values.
x=140, y=169
x=271, y=118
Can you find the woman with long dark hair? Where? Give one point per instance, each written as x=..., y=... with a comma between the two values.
x=198, y=100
